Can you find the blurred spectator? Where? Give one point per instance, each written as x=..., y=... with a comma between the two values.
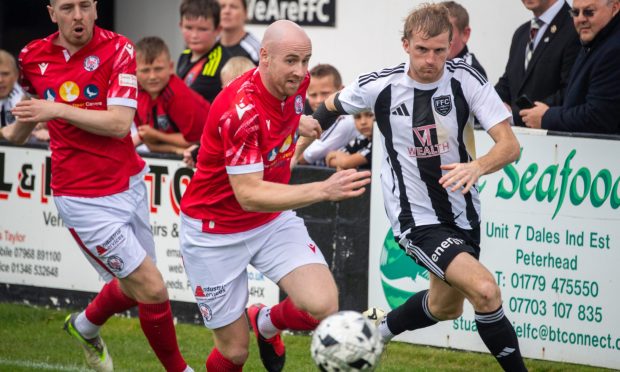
x=358, y=153
x=233, y=68
x=234, y=37
x=325, y=80
x=200, y=64
x=592, y=101
x=11, y=93
x=542, y=53
x=459, y=18
x=170, y=115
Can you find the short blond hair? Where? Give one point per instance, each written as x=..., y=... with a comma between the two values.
x=428, y=19
x=235, y=67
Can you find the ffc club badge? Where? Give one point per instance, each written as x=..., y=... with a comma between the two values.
x=443, y=105
x=205, y=310
x=91, y=63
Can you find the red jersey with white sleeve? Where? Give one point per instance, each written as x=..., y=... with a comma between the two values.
x=248, y=130
x=177, y=109
x=100, y=74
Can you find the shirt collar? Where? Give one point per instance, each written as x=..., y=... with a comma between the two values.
x=550, y=13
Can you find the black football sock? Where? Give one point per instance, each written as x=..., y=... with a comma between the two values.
x=413, y=314
x=500, y=338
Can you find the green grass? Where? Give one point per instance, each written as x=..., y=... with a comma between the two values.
x=31, y=338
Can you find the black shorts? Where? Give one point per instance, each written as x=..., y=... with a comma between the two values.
x=435, y=246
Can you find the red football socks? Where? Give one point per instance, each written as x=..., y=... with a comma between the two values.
x=110, y=300
x=216, y=362
x=286, y=315
x=158, y=327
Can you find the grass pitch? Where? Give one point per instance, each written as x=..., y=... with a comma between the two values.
x=32, y=339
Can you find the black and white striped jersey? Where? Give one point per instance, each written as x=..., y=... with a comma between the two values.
x=422, y=127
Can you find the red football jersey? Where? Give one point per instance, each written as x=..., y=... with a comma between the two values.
x=248, y=130
x=100, y=74
x=177, y=109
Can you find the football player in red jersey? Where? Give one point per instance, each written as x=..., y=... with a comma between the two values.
x=86, y=76
x=236, y=210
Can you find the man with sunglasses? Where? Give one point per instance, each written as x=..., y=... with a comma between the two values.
x=542, y=53
x=592, y=101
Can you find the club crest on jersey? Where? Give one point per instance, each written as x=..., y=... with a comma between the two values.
x=69, y=91
x=115, y=263
x=49, y=95
x=299, y=104
x=205, y=310
x=91, y=63
x=443, y=105
x=163, y=123
x=91, y=92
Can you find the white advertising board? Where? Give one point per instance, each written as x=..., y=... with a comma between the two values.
x=36, y=249
x=550, y=236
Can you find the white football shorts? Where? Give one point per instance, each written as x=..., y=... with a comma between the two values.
x=112, y=231
x=216, y=264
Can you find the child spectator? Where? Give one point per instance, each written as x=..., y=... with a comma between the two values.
x=200, y=64
x=358, y=153
x=170, y=116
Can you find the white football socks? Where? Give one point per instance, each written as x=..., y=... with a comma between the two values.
x=87, y=329
x=386, y=334
x=265, y=326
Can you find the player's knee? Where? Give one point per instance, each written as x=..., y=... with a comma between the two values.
x=237, y=354
x=322, y=308
x=154, y=294
x=487, y=296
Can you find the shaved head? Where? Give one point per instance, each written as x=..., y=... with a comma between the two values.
x=283, y=32
x=284, y=56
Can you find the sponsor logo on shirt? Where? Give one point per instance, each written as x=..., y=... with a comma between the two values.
x=49, y=94
x=443, y=105
x=91, y=63
x=128, y=80
x=427, y=148
x=69, y=91
x=43, y=67
x=299, y=104
x=91, y=92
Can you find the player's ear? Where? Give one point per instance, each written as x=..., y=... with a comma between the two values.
x=406, y=45
x=50, y=10
x=95, y=5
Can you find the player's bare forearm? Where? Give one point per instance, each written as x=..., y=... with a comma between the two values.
x=113, y=122
x=505, y=151
x=257, y=195
x=462, y=176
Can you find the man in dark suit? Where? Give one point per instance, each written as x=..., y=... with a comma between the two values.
x=540, y=60
x=592, y=101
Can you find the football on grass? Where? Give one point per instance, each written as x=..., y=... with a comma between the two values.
x=346, y=341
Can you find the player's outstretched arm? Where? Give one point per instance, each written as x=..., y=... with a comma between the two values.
x=505, y=150
x=113, y=122
x=257, y=195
